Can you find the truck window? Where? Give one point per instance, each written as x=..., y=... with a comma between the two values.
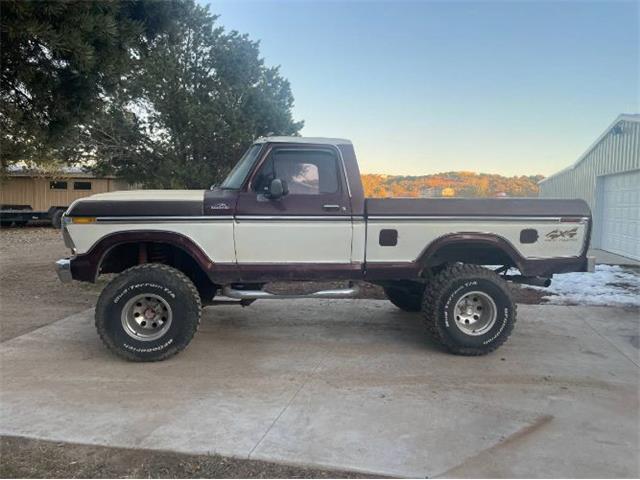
x=82, y=185
x=306, y=171
x=236, y=177
x=58, y=185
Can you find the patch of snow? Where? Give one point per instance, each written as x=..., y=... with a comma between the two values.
x=609, y=285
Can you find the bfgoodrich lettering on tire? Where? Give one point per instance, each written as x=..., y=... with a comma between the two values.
x=469, y=310
x=148, y=313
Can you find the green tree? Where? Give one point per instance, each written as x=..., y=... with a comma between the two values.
x=194, y=104
x=60, y=62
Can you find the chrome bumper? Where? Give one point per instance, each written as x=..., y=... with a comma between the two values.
x=63, y=269
x=591, y=264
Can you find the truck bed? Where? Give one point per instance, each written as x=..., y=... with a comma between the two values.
x=540, y=236
x=476, y=207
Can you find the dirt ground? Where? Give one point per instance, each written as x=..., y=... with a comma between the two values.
x=26, y=458
x=30, y=294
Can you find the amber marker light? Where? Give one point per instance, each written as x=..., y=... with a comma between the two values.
x=82, y=220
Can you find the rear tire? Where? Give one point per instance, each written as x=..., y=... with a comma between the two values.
x=148, y=313
x=406, y=296
x=469, y=310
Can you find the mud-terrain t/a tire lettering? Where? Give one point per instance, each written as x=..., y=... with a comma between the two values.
x=149, y=312
x=469, y=310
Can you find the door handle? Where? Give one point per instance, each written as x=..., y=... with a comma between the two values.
x=331, y=207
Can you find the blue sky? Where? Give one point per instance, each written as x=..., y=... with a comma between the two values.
x=421, y=87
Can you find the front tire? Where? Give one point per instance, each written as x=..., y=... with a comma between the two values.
x=469, y=310
x=148, y=313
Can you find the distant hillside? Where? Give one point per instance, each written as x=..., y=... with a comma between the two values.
x=458, y=184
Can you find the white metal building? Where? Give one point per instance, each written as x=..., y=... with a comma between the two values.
x=607, y=176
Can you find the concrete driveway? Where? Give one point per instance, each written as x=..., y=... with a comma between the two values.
x=350, y=385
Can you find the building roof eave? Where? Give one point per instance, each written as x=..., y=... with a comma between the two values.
x=625, y=117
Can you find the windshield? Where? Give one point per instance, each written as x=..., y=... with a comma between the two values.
x=236, y=177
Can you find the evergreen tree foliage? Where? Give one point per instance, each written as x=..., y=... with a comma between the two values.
x=191, y=107
x=154, y=92
x=60, y=60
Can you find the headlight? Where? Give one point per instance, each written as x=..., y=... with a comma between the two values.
x=68, y=242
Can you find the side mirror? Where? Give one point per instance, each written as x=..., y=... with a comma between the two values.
x=277, y=189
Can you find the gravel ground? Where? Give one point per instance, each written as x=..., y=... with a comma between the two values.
x=26, y=458
x=30, y=294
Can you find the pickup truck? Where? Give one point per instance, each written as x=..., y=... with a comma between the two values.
x=293, y=209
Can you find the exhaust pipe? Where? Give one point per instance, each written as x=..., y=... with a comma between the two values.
x=535, y=281
x=227, y=291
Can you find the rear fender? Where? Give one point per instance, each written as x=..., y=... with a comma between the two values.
x=495, y=250
x=471, y=247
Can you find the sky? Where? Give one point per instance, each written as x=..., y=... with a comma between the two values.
x=420, y=87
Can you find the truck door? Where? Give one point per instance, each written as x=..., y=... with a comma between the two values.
x=309, y=225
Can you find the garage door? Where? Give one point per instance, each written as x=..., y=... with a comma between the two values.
x=620, y=214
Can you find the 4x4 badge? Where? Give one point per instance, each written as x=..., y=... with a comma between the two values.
x=558, y=234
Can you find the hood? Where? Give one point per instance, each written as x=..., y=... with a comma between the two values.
x=150, y=195
x=140, y=203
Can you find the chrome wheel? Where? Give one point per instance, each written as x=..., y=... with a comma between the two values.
x=475, y=313
x=146, y=317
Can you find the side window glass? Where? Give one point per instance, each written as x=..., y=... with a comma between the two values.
x=306, y=171
x=302, y=178
x=263, y=178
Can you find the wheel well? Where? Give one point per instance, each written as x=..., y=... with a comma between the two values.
x=126, y=255
x=477, y=253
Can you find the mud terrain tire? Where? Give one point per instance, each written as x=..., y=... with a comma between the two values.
x=148, y=313
x=462, y=298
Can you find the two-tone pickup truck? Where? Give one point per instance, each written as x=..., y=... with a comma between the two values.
x=294, y=209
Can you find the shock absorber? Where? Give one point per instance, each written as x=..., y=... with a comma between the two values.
x=158, y=253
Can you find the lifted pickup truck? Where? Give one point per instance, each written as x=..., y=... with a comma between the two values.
x=294, y=209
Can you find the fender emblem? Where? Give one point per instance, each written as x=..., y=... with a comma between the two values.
x=558, y=234
x=220, y=206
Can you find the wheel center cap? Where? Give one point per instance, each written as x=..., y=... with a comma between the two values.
x=149, y=313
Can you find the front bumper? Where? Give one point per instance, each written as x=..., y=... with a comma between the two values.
x=63, y=269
